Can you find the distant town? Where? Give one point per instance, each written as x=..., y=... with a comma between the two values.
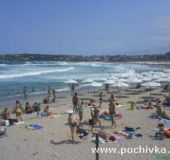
x=97, y=58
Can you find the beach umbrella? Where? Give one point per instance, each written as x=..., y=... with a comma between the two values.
x=146, y=79
x=122, y=80
x=108, y=83
x=121, y=85
x=95, y=84
x=133, y=81
x=151, y=85
x=88, y=81
x=162, y=80
x=100, y=79
x=72, y=83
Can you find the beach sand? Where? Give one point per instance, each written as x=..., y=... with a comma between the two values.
x=53, y=141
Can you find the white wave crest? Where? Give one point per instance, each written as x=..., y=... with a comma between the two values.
x=35, y=73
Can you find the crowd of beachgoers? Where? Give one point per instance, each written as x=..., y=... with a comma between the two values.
x=100, y=110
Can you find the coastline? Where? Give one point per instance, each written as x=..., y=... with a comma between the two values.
x=9, y=102
x=154, y=63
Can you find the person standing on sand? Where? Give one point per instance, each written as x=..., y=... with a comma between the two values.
x=49, y=91
x=18, y=110
x=54, y=95
x=95, y=117
x=25, y=92
x=112, y=98
x=74, y=123
x=75, y=101
x=112, y=113
x=100, y=98
x=80, y=111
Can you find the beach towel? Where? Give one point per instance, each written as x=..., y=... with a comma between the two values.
x=108, y=118
x=54, y=116
x=34, y=126
x=118, y=137
x=18, y=123
x=155, y=117
x=166, y=122
x=132, y=133
x=166, y=105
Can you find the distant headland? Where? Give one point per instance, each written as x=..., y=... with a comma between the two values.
x=97, y=58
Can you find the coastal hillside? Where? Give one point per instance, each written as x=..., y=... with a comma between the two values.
x=103, y=58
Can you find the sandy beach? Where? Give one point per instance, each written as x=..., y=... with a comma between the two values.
x=54, y=140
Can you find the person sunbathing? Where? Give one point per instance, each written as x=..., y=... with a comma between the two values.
x=48, y=112
x=6, y=116
x=165, y=115
x=147, y=106
x=46, y=99
x=106, y=136
x=159, y=110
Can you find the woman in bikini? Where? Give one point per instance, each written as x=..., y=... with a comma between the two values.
x=112, y=113
x=18, y=110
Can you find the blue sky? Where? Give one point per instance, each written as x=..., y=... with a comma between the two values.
x=85, y=26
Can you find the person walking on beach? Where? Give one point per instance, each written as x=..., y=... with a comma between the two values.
x=95, y=117
x=75, y=101
x=18, y=110
x=74, y=123
x=112, y=113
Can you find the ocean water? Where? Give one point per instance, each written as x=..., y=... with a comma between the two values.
x=37, y=76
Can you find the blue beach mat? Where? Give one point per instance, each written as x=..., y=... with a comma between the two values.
x=35, y=126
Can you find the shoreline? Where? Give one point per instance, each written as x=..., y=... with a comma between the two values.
x=154, y=63
x=9, y=102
